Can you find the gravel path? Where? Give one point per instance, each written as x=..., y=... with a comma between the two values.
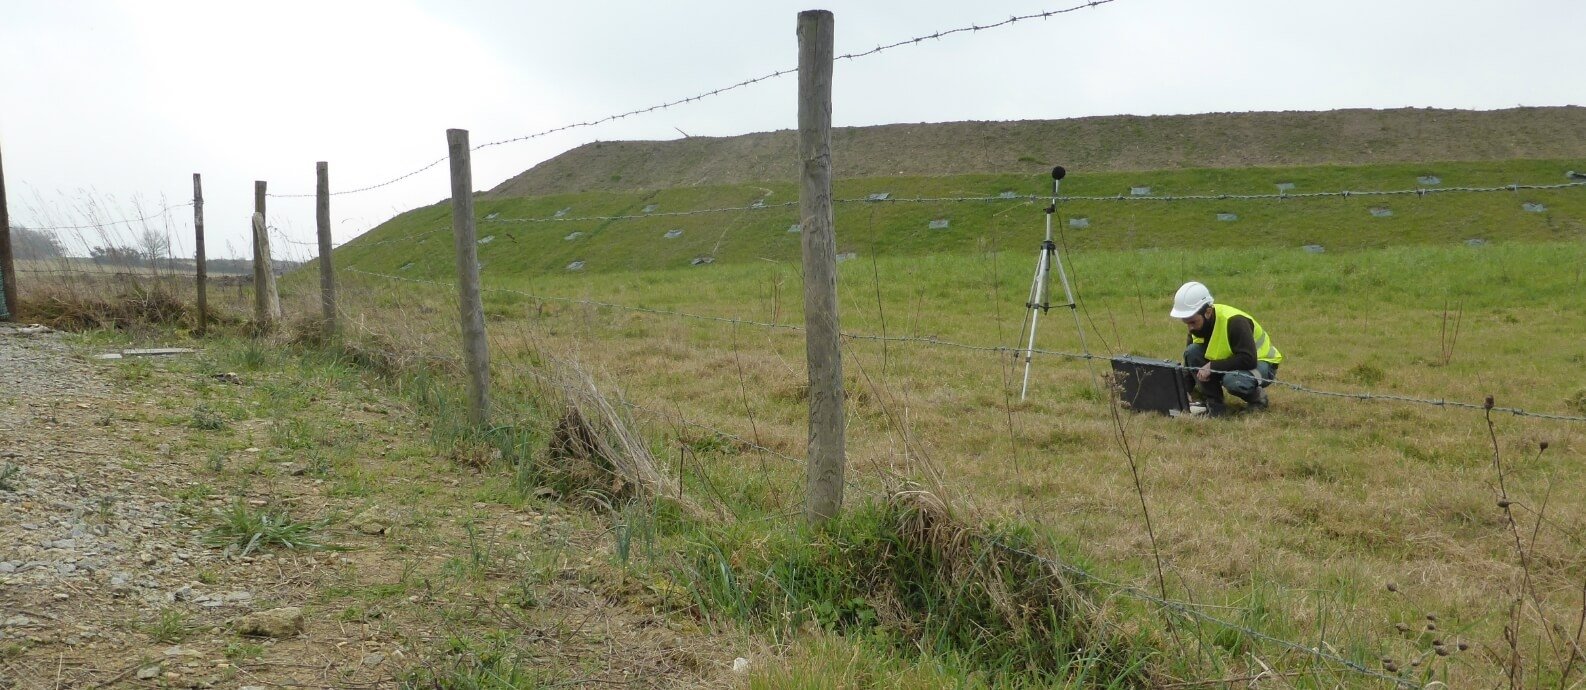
x=88, y=547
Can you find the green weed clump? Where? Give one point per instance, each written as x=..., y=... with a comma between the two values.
x=205, y=418
x=171, y=627
x=8, y=476
x=907, y=574
x=477, y=664
x=251, y=529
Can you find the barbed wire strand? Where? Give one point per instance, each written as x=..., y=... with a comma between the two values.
x=997, y=349
x=158, y=214
x=717, y=92
x=1031, y=198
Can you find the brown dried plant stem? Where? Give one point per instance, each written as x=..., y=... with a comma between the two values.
x=748, y=409
x=1526, y=590
x=1139, y=488
x=1447, y=340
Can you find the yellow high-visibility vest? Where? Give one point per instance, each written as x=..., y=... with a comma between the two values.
x=1217, y=346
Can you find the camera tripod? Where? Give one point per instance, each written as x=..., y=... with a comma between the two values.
x=1040, y=299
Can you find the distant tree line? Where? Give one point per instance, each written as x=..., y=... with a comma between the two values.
x=28, y=244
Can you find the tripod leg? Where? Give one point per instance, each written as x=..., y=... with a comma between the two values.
x=1037, y=304
x=1079, y=328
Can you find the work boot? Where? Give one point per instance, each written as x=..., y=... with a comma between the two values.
x=1258, y=401
x=1216, y=407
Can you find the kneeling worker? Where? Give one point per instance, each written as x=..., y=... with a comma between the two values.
x=1227, y=349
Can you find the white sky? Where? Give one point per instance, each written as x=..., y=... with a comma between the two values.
x=120, y=102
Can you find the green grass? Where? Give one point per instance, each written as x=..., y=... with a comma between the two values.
x=249, y=529
x=171, y=627
x=8, y=476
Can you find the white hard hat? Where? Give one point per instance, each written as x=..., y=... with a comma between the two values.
x=1191, y=298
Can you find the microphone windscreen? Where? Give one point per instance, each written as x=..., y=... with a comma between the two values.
x=1058, y=172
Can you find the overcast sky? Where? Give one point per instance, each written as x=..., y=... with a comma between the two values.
x=119, y=102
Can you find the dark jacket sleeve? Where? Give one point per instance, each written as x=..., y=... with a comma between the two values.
x=1242, y=340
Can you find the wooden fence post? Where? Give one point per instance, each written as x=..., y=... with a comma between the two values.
x=266, y=303
x=476, y=352
x=199, y=265
x=327, y=272
x=821, y=326
x=8, y=264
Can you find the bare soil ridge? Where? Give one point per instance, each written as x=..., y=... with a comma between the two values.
x=1125, y=142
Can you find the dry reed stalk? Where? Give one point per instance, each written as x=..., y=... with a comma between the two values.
x=598, y=434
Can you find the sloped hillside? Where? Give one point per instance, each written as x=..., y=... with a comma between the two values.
x=1094, y=144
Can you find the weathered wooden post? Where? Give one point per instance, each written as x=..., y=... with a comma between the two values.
x=821, y=327
x=199, y=266
x=266, y=303
x=327, y=272
x=8, y=264
x=476, y=352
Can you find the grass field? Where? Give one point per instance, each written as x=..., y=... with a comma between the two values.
x=1405, y=537
x=1330, y=521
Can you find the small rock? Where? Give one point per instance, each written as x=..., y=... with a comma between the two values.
x=740, y=665
x=148, y=672
x=282, y=622
x=373, y=660
x=371, y=521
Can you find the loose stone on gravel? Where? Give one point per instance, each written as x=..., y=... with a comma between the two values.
x=282, y=622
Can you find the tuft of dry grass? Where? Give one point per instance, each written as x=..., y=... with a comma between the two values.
x=596, y=448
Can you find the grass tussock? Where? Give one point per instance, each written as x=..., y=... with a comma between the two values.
x=595, y=449
x=909, y=574
x=248, y=530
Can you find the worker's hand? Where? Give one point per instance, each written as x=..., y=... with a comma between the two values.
x=1204, y=373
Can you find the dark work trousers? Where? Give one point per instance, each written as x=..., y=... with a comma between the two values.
x=1243, y=384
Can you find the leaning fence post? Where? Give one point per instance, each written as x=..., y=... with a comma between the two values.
x=265, y=309
x=199, y=267
x=476, y=353
x=821, y=345
x=327, y=272
x=266, y=303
